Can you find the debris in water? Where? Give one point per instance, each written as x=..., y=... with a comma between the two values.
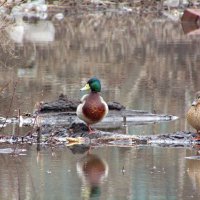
x=12, y=151
x=193, y=157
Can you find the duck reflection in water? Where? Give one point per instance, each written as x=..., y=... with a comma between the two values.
x=92, y=170
x=193, y=171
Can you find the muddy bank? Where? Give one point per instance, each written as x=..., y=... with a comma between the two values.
x=56, y=11
x=67, y=104
x=39, y=9
x=77, y=134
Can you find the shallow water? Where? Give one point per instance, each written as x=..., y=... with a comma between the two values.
x=145, y=64
x=133, y=173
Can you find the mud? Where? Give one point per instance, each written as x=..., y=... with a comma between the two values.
x=77, y=134
x=66, y=104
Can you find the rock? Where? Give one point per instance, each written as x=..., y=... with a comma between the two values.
x=77, y=127
x=191, y=21
x=191, y=15
x=115, y=106
x=62, y=104
x=80, y=129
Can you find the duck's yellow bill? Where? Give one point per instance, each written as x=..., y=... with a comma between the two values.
x=86, y=87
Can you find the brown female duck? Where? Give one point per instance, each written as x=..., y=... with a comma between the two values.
x=92, y=108
x=193, y=115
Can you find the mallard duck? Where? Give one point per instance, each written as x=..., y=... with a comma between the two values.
x=92, y=170
x=193, y=115
x=92, y=108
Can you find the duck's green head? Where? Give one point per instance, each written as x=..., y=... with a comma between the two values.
x=93, y=84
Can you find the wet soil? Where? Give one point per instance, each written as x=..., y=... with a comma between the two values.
x=77, y=134
x=67, y=104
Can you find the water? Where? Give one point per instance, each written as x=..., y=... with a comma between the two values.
x=133, y=173
x=143, y=63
